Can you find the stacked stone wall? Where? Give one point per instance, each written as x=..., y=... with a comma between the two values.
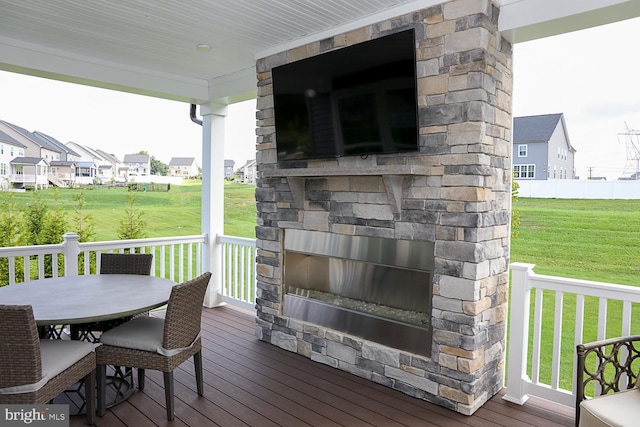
x=455, y=192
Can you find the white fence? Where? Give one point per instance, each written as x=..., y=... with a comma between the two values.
x=544, y=330
x=176, y=258
x=579, y=189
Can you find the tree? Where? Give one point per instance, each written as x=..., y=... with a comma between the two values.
x=84, y=230
x=515, y=213
x=83, y=223
x=12, y=233
x=158, y=168
x=132, y=226
x=35, y=214
x=54, y=227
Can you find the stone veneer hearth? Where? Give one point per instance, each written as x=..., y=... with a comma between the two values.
x=455, y=193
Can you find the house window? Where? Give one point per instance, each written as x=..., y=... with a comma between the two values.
x=11, y=151
x=522, y=150
x=19, y=170
x=524, y=171
x=20, y=152
x=1, y=148
x=3, y=168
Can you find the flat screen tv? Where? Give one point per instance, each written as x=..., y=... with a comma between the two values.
x=358, y=100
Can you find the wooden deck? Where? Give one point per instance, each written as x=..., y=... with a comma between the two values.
x=251, y=383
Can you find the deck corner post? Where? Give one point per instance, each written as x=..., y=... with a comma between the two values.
x=519, y=333
x=71, y=250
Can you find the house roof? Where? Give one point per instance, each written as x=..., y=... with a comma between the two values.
x=86, y=164
x=535, y=128
x=182, y=161
x=151, y=47
x=41, y=142
x=10, y=140
x=108, y=156
x=62, y=163
x=229, y=163
x=27, y=160
x=136, y=158
x=48, y=139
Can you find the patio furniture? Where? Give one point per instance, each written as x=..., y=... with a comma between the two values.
x=158, y=344
x=610, y=369
x=34, y=371
x=73, y=300
x=114, y=263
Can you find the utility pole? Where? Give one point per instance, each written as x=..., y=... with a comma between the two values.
x=591, y=168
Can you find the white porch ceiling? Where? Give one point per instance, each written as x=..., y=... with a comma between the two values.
x=149, y=46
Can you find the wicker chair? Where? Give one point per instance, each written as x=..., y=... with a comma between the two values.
x=158, y=344
x=34, y=371
x=613, y=367
x=114, y=263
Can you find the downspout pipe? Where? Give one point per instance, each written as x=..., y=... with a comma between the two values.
x=192, y=114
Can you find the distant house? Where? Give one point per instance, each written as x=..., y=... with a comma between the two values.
x=10, y=148
x=229, y=166
x=34, y=146
x=137, y=165
x=107, y=174
x=541, y=148
x=62, y=173
x=66, y=153
x=249, y=172
x=29, y=172
x=183, y=166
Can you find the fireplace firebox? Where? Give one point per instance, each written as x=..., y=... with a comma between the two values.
x=376, y=288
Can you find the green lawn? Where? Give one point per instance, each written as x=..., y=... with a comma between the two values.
x=595, y=240
x=584, y=239
x=173, y=213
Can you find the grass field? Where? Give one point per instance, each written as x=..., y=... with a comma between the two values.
x=584, y=239
x=173, y=213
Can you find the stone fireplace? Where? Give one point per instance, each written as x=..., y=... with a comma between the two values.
x=394, y=267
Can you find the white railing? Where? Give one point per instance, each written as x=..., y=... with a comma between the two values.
x=175, y=258
x=238, y=271
x=562, y=314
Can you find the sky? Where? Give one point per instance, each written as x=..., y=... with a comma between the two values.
x=592, y=76
x=119, y=123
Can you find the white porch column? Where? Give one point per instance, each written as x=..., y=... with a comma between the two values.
x=213, y=121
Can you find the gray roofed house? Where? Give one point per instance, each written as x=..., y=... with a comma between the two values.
x=183, y=166
x=65, y=151
x=541, y=148
x=62, y=173
x=34, y=145
x=229, y=166
x=4, y=137
x=137, y=164
x=29, y=171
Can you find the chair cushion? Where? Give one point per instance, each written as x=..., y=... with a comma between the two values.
x=617, y=409
x=142, y=333
x=57, y=356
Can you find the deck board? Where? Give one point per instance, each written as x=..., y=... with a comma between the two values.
x=252, y=383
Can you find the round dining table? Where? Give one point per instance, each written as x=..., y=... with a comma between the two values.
x=89, y=298
x=72, y=300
